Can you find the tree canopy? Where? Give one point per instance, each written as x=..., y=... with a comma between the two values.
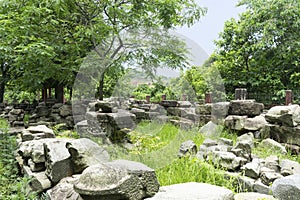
x=48, y=39
x=260, y=50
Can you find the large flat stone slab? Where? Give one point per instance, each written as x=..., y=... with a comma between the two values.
x=193, y=191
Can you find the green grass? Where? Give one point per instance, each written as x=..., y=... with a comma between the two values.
x=155, y=144
x=264, y=152
x=190, y=169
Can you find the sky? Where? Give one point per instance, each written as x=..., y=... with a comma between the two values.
x=207, y=29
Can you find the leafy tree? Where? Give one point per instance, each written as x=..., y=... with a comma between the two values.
x=48, y=39
x=131, y=32
x=260, y=50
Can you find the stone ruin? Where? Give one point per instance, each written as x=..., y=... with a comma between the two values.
x=277, y=128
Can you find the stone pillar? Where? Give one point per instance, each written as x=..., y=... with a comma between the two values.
x=184, y=97
x=163, y=97
x=208, y=97
x=148, y=98
x=288, y=97
x=240, y=94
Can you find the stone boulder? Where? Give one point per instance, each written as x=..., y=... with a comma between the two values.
x=117, y=180
x=287, y=188
x=219, y=110
x=36, y=133
x=289, y=167
x=193, y=191
x=235, y=122
x=187, y=148
x=210, y=129
x=58, y=162
x=39, y=182
x=85, y=153
x=255, y=124
x=245, y=107
x=272, y=145
x=64, y=190
x=253, y=196
x=285, y=115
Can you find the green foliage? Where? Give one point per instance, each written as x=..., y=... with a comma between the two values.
x=61, y=131
x=259, y=51
x=12, y=186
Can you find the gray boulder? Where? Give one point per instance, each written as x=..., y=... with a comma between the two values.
x=285, y=115
x=253, y=196
x=39, y=182
x=255, y=124
x=193, y=191
x=287, y=188
x=289, y=167
x=85, y=153
x=210, y=129
x=58, y=162
x=235, y=122
x=64, y=190
x=245, y=107
x=219, y=110
x=272, y=145
x=252, y=169
x=117, y=180
x=187, y=148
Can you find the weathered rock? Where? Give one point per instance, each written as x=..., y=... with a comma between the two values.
x=193, y=191
x=219, y=110
x=85, y=153
x=64, y=190
x=65, y=110
x=41, y=129
x=261, y=188
x=169, y=103
x=269, y=177
x=104, y=106
x=226, y=160
x=42, y=111
x=255, y=124
x=139, y=113
x=252, y=196
x=225, y=141
x=245, y=107
x=210, y=129
x=58, y=162
x=272, y=162
x=117, y=180
x=187, y=148
x=287, y=188
x=36, y=167
x=273, y=146
x=285, y=115
x=247, y=138
x=252, y=169
x=79, y=109
x=289, y=167
x=183, y=123
x=294, y=149
x=33, y=149
x=242, y=149
x=39, y=182
x=209, y=142
x=204, y=109
x=235, y=122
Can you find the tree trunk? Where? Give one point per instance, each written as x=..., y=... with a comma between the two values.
x=101, y=87
x=59, y=93
x=71, y=93
x=2, y=90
